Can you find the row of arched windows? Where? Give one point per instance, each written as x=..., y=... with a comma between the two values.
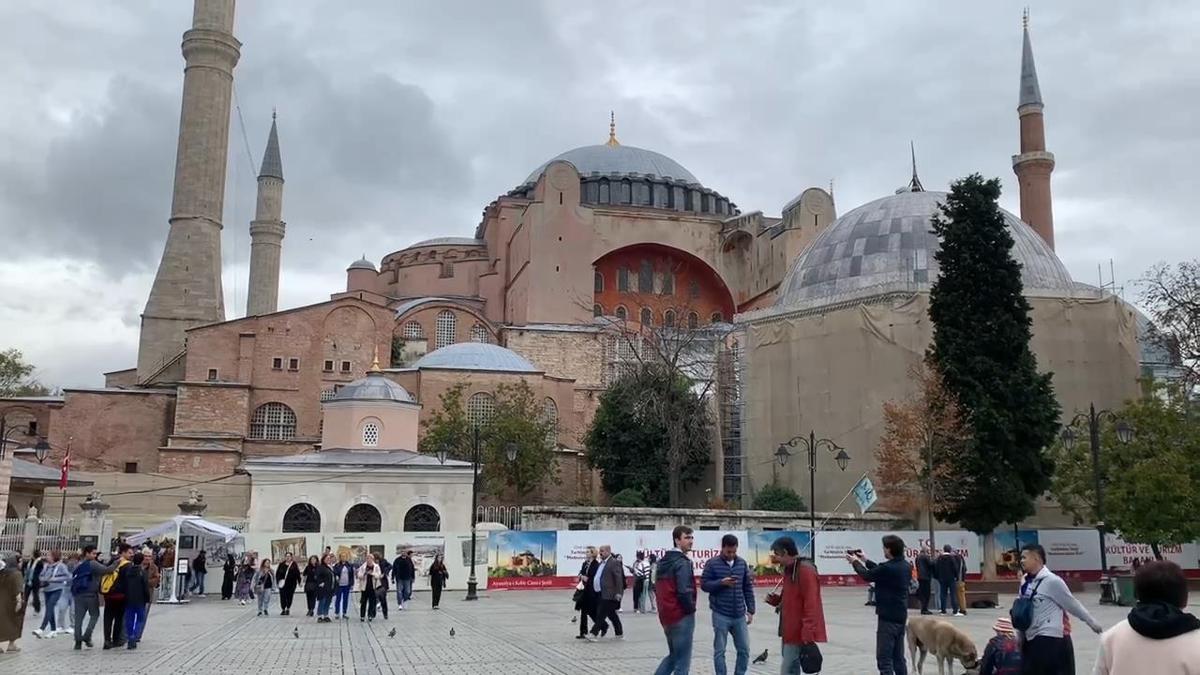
x=646, y=316
x=482, y=406
x=446, y=327
x=304, y=517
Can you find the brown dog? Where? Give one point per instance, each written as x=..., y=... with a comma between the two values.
x=943, y=640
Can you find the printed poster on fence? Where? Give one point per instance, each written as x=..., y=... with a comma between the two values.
x=518, y=559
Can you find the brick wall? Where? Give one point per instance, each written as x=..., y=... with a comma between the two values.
x=108, y=429
x=207, y=408
x=197, y=462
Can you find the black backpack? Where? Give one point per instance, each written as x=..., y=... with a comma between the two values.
x=1022, y=610
x=81, y=578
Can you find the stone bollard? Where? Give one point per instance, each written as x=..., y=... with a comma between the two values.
x=94, y=528
x=29, y=543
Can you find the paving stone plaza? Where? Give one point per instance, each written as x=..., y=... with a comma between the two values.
x=504, y=632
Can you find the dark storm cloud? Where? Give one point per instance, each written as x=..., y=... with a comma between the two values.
x=402, y=120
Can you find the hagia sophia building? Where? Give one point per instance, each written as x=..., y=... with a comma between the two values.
x=817, y=318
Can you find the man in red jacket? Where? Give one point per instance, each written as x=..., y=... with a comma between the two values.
x=802, y=619
x=675, y=587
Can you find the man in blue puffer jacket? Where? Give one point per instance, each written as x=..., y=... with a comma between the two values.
x=730, y=588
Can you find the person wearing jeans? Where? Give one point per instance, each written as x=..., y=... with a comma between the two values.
x=324, y=588
x=801, y=615
x=676, y=590
x=891, y=579
x=343, y=579
x=54, y=580
x=730, y=587
x=263, y=583
x=199, y=572
x=403, y=573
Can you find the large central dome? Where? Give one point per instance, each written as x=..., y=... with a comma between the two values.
x=608, y=159
x=887, y=246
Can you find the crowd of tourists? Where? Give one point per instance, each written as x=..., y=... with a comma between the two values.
x=73, y=593
x=1035, y=639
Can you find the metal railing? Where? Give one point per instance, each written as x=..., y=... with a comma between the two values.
x=12, y=534
x=508, y=516
x=53, y=535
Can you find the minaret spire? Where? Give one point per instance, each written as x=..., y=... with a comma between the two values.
x=914, y=185
x=267, y=231
x=187, y=286
x=1034, y=164
x=612, y=130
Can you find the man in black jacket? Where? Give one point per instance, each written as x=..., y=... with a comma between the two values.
x=403, y=573
x=891, y=580
x=949, y=568
x=924, y=578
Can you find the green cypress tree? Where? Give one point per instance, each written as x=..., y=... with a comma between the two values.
x=981, y=332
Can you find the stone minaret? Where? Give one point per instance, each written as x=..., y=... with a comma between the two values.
x=1034, y=165
x=187, y=288
x=266, y=232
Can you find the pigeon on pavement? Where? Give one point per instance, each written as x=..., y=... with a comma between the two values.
x=296, y=632
x=392, y=632
x=761, y=658
x=452, y=631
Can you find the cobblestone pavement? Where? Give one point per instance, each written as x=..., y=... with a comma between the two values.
x=524, y=632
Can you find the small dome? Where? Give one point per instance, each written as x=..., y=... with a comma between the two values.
x=618, y=159
x=887, y=246
x=476, y=356
x=362, y=264
x=373, y=387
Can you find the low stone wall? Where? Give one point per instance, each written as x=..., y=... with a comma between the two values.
x=616, y=518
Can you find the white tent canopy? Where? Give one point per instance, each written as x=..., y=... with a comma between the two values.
x=185, y=525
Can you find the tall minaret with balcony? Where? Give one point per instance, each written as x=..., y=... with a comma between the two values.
x=266, y=232
x=1034, y=165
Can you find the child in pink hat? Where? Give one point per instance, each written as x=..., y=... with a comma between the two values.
x=1002, y=656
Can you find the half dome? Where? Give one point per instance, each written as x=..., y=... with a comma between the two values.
x=887, y=246
x=476, y=356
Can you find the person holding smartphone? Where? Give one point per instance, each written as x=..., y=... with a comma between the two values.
x=730, y=587
x=891, y=579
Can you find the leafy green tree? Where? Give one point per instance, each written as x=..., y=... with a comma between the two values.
x=981, y=334
x=1151, y=484
x=775, y=497
x=630, y=497
x=518, y=419
x=651, y=432
x=16, y=376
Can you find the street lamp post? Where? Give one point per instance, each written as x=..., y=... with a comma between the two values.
x=811, y=444
x=1125, y=432
x=510, y=453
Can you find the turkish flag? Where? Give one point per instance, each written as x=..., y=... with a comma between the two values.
x=66, y=470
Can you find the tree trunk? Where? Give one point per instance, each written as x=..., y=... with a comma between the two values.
x=989, y=556
x=673, y=484
x=1156, y=550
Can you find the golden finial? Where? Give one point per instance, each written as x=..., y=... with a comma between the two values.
x=1025, y=18
x=612, y=130
x=375, y=363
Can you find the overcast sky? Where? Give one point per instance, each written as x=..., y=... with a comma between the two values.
x=401, y=120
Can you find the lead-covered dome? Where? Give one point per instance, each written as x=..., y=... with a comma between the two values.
x=373, y=387
x=618, y=159
x=475, y=356
x=887, y=246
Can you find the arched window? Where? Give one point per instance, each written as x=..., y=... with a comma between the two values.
x=599, y=282
x=597, y=310
x=647, y=317
x=447, y=327
x=621, y=313
x=363, y=518
x=273, y=421
x=302, y=518
x=550, y=415
x=480, y=408
x=623, y=279
x=669, y=318
x=479, y=333
x=422, y=518
x=668, y=283
x=716, y=318
x=370, y=435
x=413, y=331
x=693, y=320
